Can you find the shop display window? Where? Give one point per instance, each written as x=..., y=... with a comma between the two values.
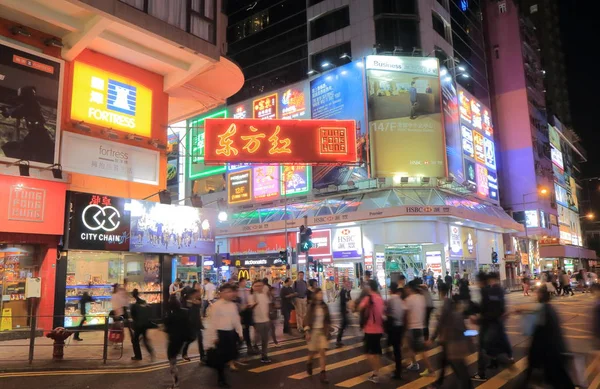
x=97, y=272
x=17, y=263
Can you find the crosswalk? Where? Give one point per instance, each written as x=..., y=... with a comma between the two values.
x=347, y=367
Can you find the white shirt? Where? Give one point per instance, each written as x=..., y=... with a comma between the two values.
x=173, y=288
x=209, y=292
x=415, y=305
x=396, y=309
x=261, y=310
x=224, y=316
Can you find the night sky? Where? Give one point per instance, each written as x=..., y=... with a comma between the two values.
x=581, y=36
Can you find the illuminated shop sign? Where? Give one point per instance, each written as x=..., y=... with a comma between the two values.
x=295, y=179
x=493, y=185
x=239, y=186
x=265, y=182
x=195, y=144
x=479, y=147
x=265, y=107
x=293, y=104
x=490, y=154
x=467, y=142
x=482, y=181
x=557, y=157
x=109, y=100
x=280, y=141
x=464, y=104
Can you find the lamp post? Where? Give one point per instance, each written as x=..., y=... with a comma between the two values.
x=543, y=192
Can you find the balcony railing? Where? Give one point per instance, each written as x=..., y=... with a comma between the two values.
x=197, y=17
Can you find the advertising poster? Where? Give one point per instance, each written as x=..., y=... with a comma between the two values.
x=488, y=129
x=557, y=157
x=573, y=203
x=456, y=248
x=467, y=236
x=490, y=154
x=295, y=179
x=405, y=116
x=464, y=106
x=470, y=172
x=265, y=107
x=479, y=147
x=163, y=228
x=172, y=159
x=239, y=186
x=265, y=243
x=151, y=270
x=559, y=175
x=554, y=137
x=294, y=102
x=339, y=95
x=346, y=243
x=321, y=243
x=482, y=181
x=452, y=127
x=467, y=138
x=97, y=222
x=30, y=92
x=493, y=185
x=532, y=219
x=265, y=182
x=561, y=195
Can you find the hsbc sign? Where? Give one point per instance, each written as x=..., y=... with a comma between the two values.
x=347, y=243
x=98, y=222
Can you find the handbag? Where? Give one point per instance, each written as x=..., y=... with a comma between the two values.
x=576, y=369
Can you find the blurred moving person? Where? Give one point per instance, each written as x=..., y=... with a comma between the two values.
x=270, y=292
x=260, y=305
x=317, y=324
x=345, y=298
x=395, y=316
x=178, y=329
x=141, y=315
x=287, y=304
x=416, y=307
x=372, y=310
x=209, y=295
x=448, y=281
x=300, y=288
x=245, y=313
x=83, y=301
x=193, y=303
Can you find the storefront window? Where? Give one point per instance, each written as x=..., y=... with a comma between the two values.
x=17, y=263
x=97, y=272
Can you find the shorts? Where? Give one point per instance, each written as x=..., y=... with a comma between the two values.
x=373, y=344
x=416, y=340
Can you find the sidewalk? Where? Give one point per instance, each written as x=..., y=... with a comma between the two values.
x=87, y=354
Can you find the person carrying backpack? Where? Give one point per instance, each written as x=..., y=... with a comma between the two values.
x=140, y=314
x=372, y=309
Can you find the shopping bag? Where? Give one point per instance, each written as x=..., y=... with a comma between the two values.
x=576, y=369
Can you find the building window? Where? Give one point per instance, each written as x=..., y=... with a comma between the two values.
x=197, y=17
x=404, y=7
x=502, y=7
x=438, y=25
x=313, y=2
x=330, y=22
x=396, y=34
x=330, y=58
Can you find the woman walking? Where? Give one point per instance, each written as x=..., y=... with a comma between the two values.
x=317, y=324
x=178, y=329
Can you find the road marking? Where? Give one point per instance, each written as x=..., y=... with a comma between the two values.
x=503, y=377
x=302, y=359
x=386, y=369
x=592, y=367
x=566, y=336
x=577, y=329
x=595, y=383
x=291, y=350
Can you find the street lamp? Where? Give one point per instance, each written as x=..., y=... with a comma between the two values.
x=589, y=216
x=222, y=216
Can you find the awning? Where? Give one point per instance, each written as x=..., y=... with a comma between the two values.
x=566, y=251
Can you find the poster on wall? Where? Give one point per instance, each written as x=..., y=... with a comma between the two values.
x=265, y=182
x=239, y=186
x=151, y=270
x=30, y=92
x=163, y=228
x=295, y=179
x=339, y=95
x=346, y=243
x=321, y=243
x=405, y=116
x=452, y=127
x=293, y=102
x=97, y=222
x=456, y=249
x=470, y=172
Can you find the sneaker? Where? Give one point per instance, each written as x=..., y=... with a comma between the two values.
x=136, y=359
x=265, y=360
x=277, y=345
x=78, y=339
x=413, y=367
x=323, y=378
x=373, y=378
x=427, y=373
x=479, y=378
x=186, y=358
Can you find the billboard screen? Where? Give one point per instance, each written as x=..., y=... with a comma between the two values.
x=340, y=95
x=405, y=117
x=265, y=182
x=239, y=186
x=295, y=179
x=452, y=127
x=30, y=92
x=280, y=141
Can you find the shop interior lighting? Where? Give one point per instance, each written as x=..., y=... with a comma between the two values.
x=82, y=127
x=223, y=216
x=54, y=42
x=23, y=168
x=56, y=171
x=20, y=30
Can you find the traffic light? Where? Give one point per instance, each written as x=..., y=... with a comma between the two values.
x=312, y=265
x=319, y=267
x=283, y=257
x=305, y=239
x=494, y=257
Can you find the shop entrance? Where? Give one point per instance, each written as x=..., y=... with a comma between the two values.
x=17, y=263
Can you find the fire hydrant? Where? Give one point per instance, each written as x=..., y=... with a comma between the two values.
x=59, y=335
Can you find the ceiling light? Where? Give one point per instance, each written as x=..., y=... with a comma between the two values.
x=223, y=216
x=20, y=30
x=325, y=64
x=54, y=42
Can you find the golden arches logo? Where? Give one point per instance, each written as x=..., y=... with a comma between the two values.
x=243, y=273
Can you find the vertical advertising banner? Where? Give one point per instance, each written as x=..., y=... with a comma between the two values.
x=239, y=186
x=265, y=107
x=339, y=94
x=452, y=127
x=30, y=95
x=195, y=145
x=294, y=102
x=405, y=117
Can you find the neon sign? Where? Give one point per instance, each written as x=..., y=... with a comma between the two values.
x=265, y=107
x=280, y=141
x=109, y=100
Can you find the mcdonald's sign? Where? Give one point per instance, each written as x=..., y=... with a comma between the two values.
x=243, y=273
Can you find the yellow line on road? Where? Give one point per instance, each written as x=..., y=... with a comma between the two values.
x=290, y=350
x=595, y=383
x=386, y=369
x=505, y=375
x=592, y=366
x=301, y=359
x=424, y=381
x=566, y=336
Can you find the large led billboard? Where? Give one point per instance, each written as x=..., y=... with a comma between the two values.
x=452, y=127
x=405, y=117
x=339, y=94
x=279, y=141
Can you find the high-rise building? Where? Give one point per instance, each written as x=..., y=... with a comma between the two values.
x=545, y=16
x=539, y=156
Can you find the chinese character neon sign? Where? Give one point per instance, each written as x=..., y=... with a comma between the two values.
x=280, y=141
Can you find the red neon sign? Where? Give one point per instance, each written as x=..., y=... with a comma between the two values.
x=279, y=141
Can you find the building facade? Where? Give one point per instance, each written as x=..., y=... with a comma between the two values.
x=89, y=89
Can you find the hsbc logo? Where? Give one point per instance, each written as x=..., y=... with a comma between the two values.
x=104, y=218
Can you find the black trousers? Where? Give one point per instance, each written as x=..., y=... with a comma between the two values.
x=343, y=326
x=198, y=338
x=135, y=340
x=286, y=312
x=80, y=326
x=461, y=372
x=226, y=351
x=440, y=381
x=427, y=319
x=396, y=335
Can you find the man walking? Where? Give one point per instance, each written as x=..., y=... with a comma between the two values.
x=448, y=281
x=260, y=304
x=300, y=288
x=287, y=306
x=209, y=295
x=245, y=313
x=412, y=93
x=344, y=299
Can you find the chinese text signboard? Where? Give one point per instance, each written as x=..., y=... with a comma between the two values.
x=295, y=179
x=239, y=186
x=280, y=141
x=109, y=100
x=265, y=107
x=266, y=181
